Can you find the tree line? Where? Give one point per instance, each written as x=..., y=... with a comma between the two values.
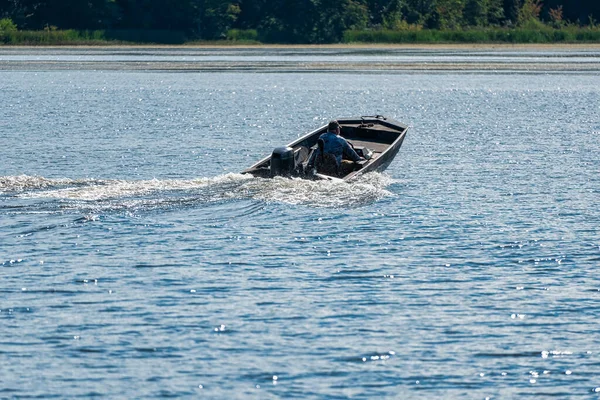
x=292, y=21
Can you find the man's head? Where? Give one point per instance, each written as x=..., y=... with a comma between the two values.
x=333, y=126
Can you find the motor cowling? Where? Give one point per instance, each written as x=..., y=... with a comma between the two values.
x=282, y=161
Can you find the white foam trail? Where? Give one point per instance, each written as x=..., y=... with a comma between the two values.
x=26, y=182
x=97, y=190
x=365, y=189
x=147, y=194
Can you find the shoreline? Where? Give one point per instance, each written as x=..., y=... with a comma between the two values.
x=400, y=46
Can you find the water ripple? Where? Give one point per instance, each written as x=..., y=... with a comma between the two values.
x=476, y=263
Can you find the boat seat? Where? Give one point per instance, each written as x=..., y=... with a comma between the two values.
x=325, y=163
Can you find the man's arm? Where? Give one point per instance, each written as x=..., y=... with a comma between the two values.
x=350, y=153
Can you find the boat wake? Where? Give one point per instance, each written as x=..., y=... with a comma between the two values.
x=38, y=194
x=364, y=190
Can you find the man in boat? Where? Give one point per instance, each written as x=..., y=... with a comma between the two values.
x=328, y=158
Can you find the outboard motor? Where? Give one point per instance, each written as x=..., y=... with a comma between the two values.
x=282, y=161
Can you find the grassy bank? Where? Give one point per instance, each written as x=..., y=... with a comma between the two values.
x=489, y=35
x=53, y=37
x=418, y=36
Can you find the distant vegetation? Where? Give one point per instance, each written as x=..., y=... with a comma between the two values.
x=483, y=35
x=33, y=22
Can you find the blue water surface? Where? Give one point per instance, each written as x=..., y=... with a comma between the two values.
x=136, y=262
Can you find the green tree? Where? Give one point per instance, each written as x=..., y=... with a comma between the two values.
x=475, y=12
x=19, y=11
x=335, y=16
x=254, y=13
x=382, y=10
x=449, y=13
x=64, y=14
x=395, y=16
x=182, y=15
x=292, y=21
x=495, y=12
x=313, y=21
x=529, y=12
x=511, y=11
x=216, y=17
x=289, y=21
x=556, y=16
x=483, y=12
x=356, y=15
x=420, y=12
x=7, y=25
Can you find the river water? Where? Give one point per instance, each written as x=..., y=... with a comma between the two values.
x=136, y=262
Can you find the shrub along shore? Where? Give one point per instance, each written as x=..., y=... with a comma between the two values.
x=315, y=22
x=544, y=35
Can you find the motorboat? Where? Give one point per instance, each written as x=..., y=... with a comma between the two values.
x=377, y=139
